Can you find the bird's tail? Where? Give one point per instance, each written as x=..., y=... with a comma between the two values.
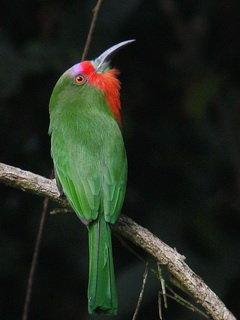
x=102, y=294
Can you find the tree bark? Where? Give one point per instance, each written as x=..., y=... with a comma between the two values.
x=126, y=227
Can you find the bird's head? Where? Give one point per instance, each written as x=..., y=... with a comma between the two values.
x=95, y=74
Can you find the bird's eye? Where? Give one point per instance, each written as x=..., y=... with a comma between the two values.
x=80, y=79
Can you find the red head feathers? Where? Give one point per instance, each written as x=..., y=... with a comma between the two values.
x=106, y=81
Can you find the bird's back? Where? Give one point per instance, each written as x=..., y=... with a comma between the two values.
x=89, y=157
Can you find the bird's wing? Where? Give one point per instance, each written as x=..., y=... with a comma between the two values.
x=93, y=177
x=114, y=185
x=80, y=181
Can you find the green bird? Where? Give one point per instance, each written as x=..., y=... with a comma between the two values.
x=90, y=163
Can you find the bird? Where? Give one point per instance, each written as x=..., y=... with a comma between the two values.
x=90, y=162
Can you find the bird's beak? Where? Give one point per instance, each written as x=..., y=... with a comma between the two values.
x=102, y=61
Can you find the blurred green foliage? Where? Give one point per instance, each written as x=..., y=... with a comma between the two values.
x=181, y=111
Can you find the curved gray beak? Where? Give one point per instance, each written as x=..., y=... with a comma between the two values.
x=103, y=59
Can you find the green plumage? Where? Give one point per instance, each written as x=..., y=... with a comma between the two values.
x=90, y=165
x=102, y=293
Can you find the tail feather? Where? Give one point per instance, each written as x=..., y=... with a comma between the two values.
x=102, y=294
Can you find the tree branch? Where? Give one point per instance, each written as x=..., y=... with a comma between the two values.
x=129, y=229
x=92, y=27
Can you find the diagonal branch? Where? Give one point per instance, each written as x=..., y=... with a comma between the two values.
x=30, y=182
x=92, y=27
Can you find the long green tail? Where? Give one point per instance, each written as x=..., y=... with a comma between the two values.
x=102, y=294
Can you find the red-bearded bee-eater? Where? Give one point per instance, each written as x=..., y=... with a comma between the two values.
x=90, y=163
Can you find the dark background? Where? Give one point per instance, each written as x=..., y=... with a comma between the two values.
x=181, y=107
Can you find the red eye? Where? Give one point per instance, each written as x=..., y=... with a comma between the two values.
x=80, y=79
